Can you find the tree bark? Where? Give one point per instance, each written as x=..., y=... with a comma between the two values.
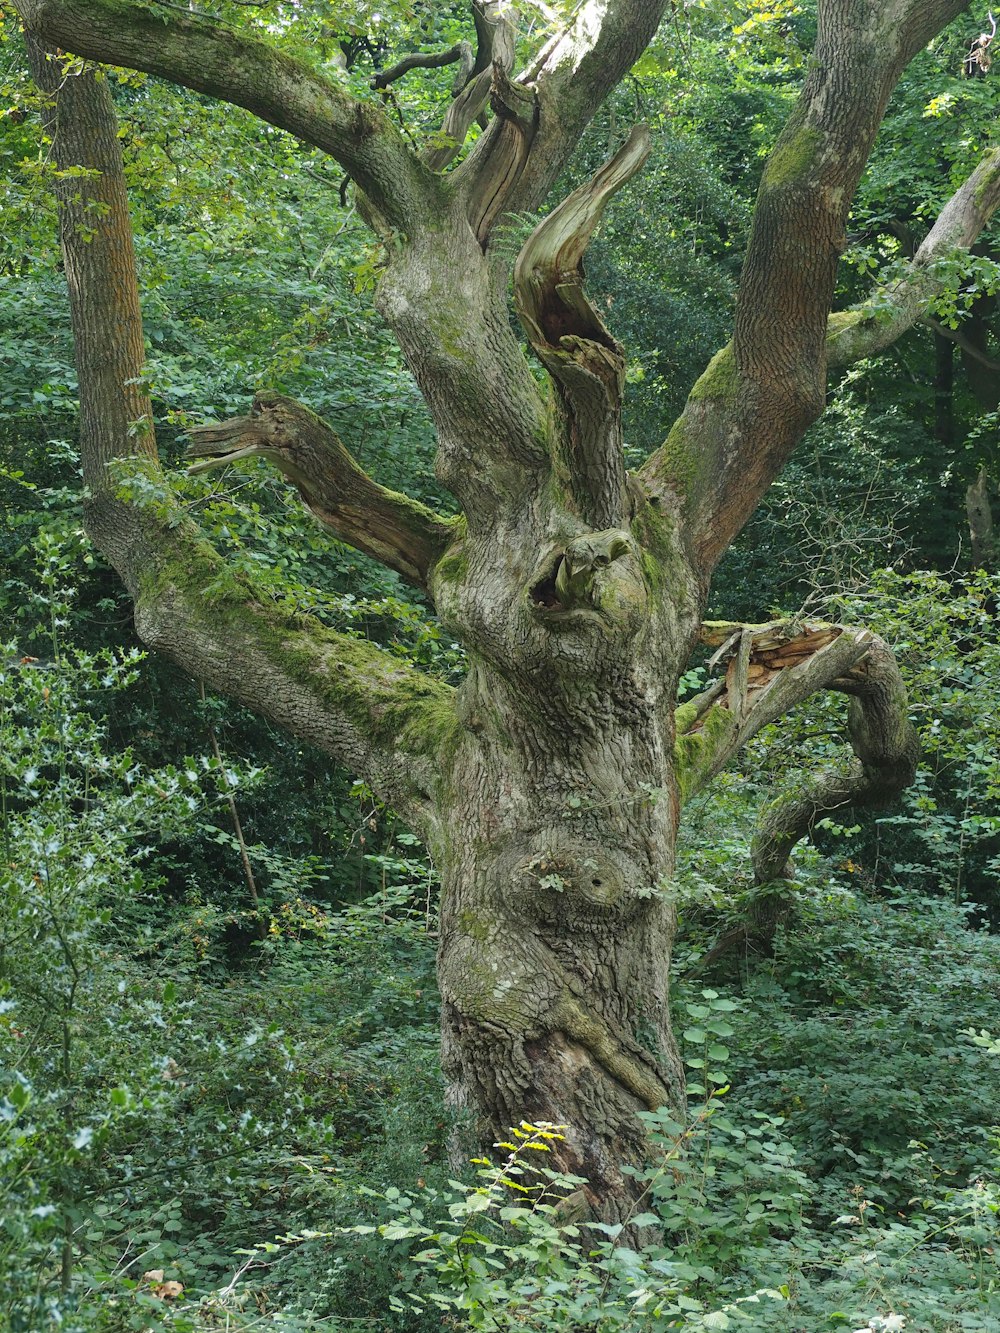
x=980, y=516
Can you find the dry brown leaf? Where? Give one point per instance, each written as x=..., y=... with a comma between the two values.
x=168, y=1291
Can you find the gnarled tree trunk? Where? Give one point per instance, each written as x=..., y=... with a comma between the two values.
x=549, y=784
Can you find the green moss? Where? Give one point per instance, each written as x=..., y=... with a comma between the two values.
x=695, y=754
x=986, y=187
x=841, y=320
x=684, y=717
x=720, y=380
x=453, y=565
x=399, y=707
x=653, y=570
x=792, y=157
x=475, y=927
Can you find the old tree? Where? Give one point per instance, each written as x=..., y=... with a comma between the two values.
x=549, y=784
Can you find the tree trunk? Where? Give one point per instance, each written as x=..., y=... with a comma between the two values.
x=560, y=817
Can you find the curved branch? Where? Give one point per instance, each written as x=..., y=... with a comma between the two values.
x=769, y=669
x=883, y=765
x=387, y=720
x=401, y=533
x=855, y=334
x=571, y=341
x=249, y=73
x=748, y=412
x=420, y=60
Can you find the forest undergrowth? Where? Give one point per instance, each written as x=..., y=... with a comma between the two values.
x=221, y=1114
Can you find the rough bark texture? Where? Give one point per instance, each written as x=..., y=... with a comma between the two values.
x=400, y=532
x=549, y=784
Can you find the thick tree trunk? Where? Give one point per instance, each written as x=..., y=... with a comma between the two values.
x=556, y=927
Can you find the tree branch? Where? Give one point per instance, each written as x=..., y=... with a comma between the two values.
x=569, y=79
x=866, y=330
x=390, y=527
x=419, y=60
x=494, y=60
x=249, y=73
x=883, y=764
x=749, y=410
x=367, y=708
x=586, y=363
x=382, y=718
x=769, y=669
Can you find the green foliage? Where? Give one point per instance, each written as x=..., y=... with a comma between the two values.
x=177, y=1094
x=503, y=1253
x=724, y=1238
x=946, y=837
x=73, y=823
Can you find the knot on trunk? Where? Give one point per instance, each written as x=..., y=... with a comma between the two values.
x=573, y=579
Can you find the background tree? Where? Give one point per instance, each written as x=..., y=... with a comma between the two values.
x=548, y=784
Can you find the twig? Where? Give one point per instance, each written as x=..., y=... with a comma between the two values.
x=237, y=827
x=963, y=341
x=419, y=60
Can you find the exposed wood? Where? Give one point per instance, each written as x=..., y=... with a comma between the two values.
x=567, y=80
x=570, y=339
x=771, y=668
x=513, y=134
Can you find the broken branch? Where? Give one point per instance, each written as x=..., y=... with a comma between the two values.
x=571, y=341
x=770, y=669
x=399, y=532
